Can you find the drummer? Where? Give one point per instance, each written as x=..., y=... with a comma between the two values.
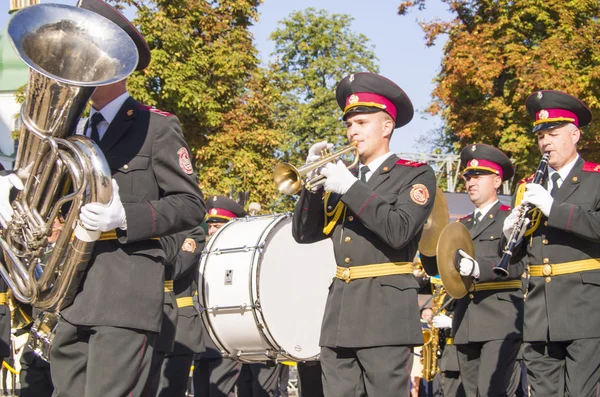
x=488, y=322
x=215, y=375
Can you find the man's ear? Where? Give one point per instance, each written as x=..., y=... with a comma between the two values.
x=497, y=182
x=388, y=127
x=575, y=135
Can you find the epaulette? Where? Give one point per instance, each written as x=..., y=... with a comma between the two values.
x=591, y=167
x=504, y=208
x=410, y=163
x=527, y=180
x=155, y=110
x=464, y=217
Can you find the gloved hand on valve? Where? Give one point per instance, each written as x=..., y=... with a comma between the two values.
x=442, y=321
x=314, y=154
x=468, y=266
x=511, y=222
x=339, y=178
x=7, y=182
x=100, y=217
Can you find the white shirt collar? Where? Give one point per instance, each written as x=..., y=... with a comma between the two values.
x=373, y=165
x=486, y=209
x=564, y=171
x=110, y=110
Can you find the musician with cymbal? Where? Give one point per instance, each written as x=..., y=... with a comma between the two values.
x=374, y=216
x=561, y=331
x=487, y=321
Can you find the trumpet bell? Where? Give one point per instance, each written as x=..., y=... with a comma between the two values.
x=287, y=178
x=455, y=236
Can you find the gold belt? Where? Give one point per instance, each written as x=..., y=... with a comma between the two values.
x=3, y=298
x=564, y=268
x=185, y=302
x=512, y=284
x=168, y=285
x=449, y=341
x=381, y=269
x=112, y=235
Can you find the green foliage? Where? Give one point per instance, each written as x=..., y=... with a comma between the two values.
x=500, y=51
x=314, y=50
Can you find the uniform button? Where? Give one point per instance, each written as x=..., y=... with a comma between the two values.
x=350, y=218
x=545, y=223
x=347, y=239
x=491, y=237
x=548, y=279
x=328, y=208
x=547, y=270
x=125, y=167
x=545, y=242
x=471, y=296
x=491, y=216
x=347, y=260
x=546, y=260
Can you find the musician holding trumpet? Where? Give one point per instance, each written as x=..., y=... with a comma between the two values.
x=561, y=326
x=375, y=218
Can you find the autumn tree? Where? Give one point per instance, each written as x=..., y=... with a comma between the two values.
x=205, y=69
x=314, y=50
x=500, y=51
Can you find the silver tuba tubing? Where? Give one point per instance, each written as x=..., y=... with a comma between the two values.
x=70, y=52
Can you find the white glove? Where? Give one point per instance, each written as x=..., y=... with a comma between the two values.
x=468, y=266
x=510, y=223
x=536, y=194
x=96, y=216
x=442, y=321
x=314, y=154
x=7, y=182
x=339, y=178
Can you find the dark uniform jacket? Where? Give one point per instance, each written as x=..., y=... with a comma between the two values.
x=189, y=338
x=487, y=315
x=564, y=307
x=5, y=324
x=383, y=223
x=123, y=284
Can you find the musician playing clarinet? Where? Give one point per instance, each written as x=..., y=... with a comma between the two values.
x=561, y=328
x=375, y=218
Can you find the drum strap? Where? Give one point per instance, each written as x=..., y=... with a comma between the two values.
x=366, y=271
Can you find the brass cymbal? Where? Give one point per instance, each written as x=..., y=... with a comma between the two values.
x=454, y=236
x=436, y=222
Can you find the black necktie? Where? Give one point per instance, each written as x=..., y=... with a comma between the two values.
x=555, y=177
x=96, y=118
x=476, y=217
x=363, y=173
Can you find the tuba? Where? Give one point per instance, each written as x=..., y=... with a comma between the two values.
x=70, y=52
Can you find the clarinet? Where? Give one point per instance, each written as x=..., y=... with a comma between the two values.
x=502, y=268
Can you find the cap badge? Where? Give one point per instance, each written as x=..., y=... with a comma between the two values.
x=184, y=161
x=189, y=245
x=419, y=194
x=543, y=114
x=351, y=78
x=214, y=198
x=474, y=163
x=539, y=95
x=353, y=99
x=213, y=211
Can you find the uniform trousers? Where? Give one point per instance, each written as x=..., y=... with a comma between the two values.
x=215, y=377
x=451, y=384
x=309, y=379
x=258, y=380
x=99, y=361
x=34, y=376
x=174, y=375
x=381, y=371
x=577, y=362
x=486, y=367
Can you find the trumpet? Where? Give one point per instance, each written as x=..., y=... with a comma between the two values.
x=290, y=179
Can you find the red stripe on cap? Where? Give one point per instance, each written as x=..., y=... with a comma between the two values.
x=480, y=164
x=550, y=115
x=220, y=212
x=372, y=100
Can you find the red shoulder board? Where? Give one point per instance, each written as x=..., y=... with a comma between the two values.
x=410, y=163
x=528, y=179
x=504, y=208
x=463, y=218
x=155, y=110
x=591, y=167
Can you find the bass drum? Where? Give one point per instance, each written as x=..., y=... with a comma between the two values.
x=264, y=294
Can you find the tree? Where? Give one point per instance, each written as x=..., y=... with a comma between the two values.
x=499, y=52
x=205, y=69
x=313, y=52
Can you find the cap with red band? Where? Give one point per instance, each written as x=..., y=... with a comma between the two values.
x=370, y=99
x=555, y=108
x=482, y=159
x=223, y=209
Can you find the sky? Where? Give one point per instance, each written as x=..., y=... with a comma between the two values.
x=398, y=40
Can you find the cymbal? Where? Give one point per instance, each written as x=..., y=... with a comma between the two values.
x=436, y=222
x=454, y=236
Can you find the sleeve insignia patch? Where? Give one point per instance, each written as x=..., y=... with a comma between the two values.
x=184, y=161
x=419, y=194
x=189, y=245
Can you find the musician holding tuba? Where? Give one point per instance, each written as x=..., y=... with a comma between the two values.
x=561, y=331
x=488, y=322
x=374, y=216
x=104, y=340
